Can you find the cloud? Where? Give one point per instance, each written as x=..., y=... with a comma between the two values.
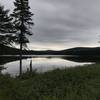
x=63, y=24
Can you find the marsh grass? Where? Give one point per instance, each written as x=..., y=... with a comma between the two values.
x=80, y=83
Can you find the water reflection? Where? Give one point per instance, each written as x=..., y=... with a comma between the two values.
x=10, y=64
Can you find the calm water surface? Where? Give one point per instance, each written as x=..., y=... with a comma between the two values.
x=40, y=64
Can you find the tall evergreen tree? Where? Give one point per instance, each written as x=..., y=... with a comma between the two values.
x=6, y=27
x=22, y=23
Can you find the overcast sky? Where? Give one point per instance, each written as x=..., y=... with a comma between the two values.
x=61, y=24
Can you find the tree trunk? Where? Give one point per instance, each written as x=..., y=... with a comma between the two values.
x=20, y=59
x=31, y=66
x=21, y=36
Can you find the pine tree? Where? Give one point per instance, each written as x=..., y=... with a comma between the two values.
x=22, y=20
x=6, y=27
x=22, y=23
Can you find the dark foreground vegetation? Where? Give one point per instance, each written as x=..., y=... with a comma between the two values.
x=80, y=83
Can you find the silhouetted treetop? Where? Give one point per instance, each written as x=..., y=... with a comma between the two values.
x=23, y=15
x=5, y=21
x=6, y=26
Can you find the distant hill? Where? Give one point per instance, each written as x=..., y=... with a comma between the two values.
x=82, y=51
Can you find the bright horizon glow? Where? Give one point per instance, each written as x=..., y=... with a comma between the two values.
x=57, y=48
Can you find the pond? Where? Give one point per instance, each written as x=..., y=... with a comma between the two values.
x=10, y=64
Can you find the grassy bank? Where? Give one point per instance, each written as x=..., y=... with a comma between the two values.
x=81, y=83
